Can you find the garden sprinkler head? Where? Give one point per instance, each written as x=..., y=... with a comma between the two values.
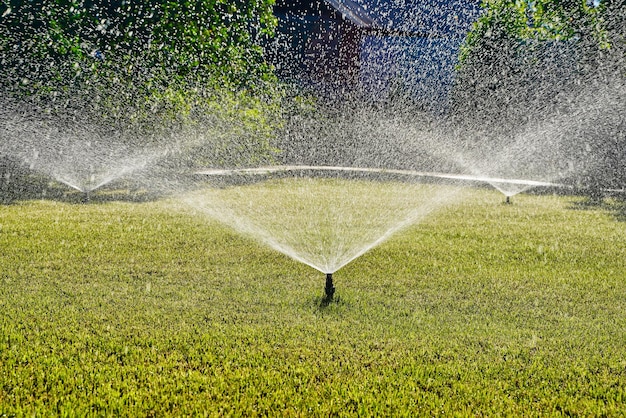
x=508, y=200
x=329, y=289
x=86, y=197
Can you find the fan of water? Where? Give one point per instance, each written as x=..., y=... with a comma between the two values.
x=320, y=216
x=546, y=149
x=345, y=181
x=80, y=156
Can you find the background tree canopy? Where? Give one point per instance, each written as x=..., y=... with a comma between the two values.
x=146, y=67
x=209, y=40
x=515, y=41
x=530, y=62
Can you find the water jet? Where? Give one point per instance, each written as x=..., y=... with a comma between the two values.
x=324, y=216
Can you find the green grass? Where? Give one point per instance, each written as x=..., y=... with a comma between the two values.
x=137, y=309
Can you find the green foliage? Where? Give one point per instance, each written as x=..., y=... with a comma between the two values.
x=502, y=21
x=152, y=70
x=215, y=42
x=513, y=38
x=564, y=19
x=140, y=310
x=232, y=129
x=527, y=62
x=612, y=18
x=521, y=20
x=215, y=37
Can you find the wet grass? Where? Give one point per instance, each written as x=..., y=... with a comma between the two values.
x=135, y=309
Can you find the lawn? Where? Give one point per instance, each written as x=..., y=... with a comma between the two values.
x=144, y=309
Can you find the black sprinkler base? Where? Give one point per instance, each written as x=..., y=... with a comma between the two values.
x=329, y=289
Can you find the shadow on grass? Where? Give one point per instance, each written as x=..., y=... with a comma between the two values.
x=325, y=301
x=322, y=304
x=615, y=205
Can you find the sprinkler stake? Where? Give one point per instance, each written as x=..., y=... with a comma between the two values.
x=329, y=289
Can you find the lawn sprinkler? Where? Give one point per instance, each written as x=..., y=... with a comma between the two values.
x=329, y=289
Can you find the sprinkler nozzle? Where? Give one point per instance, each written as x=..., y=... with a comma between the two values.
x=508, y=200
x=329, y=289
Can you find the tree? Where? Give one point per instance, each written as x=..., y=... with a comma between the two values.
x=140, y=65
x=516, y=41
x=612, y=19
x=215, y=40
x=513, y=36
x=525, y=62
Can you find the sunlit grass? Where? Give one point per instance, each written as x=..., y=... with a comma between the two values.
x=483, y=308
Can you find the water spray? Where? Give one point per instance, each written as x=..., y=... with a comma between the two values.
x=329, y=289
